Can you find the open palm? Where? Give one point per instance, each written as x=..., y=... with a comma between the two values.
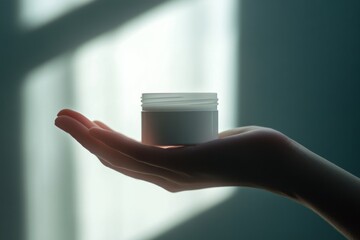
x=247, y=156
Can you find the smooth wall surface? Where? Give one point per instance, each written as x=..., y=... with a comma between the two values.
x=299, y=72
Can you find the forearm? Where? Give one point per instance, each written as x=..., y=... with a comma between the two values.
x=327, y=189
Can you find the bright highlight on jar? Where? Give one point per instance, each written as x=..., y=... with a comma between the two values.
x=170, y=119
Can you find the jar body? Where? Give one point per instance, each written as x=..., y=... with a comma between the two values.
x=179, y=128
x=170, y=119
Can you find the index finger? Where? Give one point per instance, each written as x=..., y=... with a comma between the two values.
x=141, y=152
x=77, y=116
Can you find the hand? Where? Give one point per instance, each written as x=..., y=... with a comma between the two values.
x=247, y=156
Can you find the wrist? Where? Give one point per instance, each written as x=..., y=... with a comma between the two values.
x=274, y=166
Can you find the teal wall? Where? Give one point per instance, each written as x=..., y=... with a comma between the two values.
x=20, y=52
x=299, y=72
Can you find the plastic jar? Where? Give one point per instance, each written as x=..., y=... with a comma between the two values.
x=179, y=118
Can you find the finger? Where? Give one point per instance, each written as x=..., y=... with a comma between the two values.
x=130, y=147
x=78, y=116
x=77, y=130
x=116, y=158
x=80, y=133
x=167, y=159
x=159, y=181
x=126, y=143
x=167, y=184
x=103, y=125
x=237, y=131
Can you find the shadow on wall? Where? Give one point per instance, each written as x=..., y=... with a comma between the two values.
x=22, y=51
x=31, y=48
x=299, y=73
x=254, y=214
x=299, y=69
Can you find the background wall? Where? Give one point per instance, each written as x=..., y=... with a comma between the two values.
x=298, y=72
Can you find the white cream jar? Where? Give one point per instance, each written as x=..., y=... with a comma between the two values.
x=179, y=118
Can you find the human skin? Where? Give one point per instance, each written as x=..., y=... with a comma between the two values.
x=248, y=156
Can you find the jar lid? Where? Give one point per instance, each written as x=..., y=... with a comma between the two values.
x=179, y=102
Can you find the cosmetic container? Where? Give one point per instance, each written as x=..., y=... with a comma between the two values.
x=170, y=119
